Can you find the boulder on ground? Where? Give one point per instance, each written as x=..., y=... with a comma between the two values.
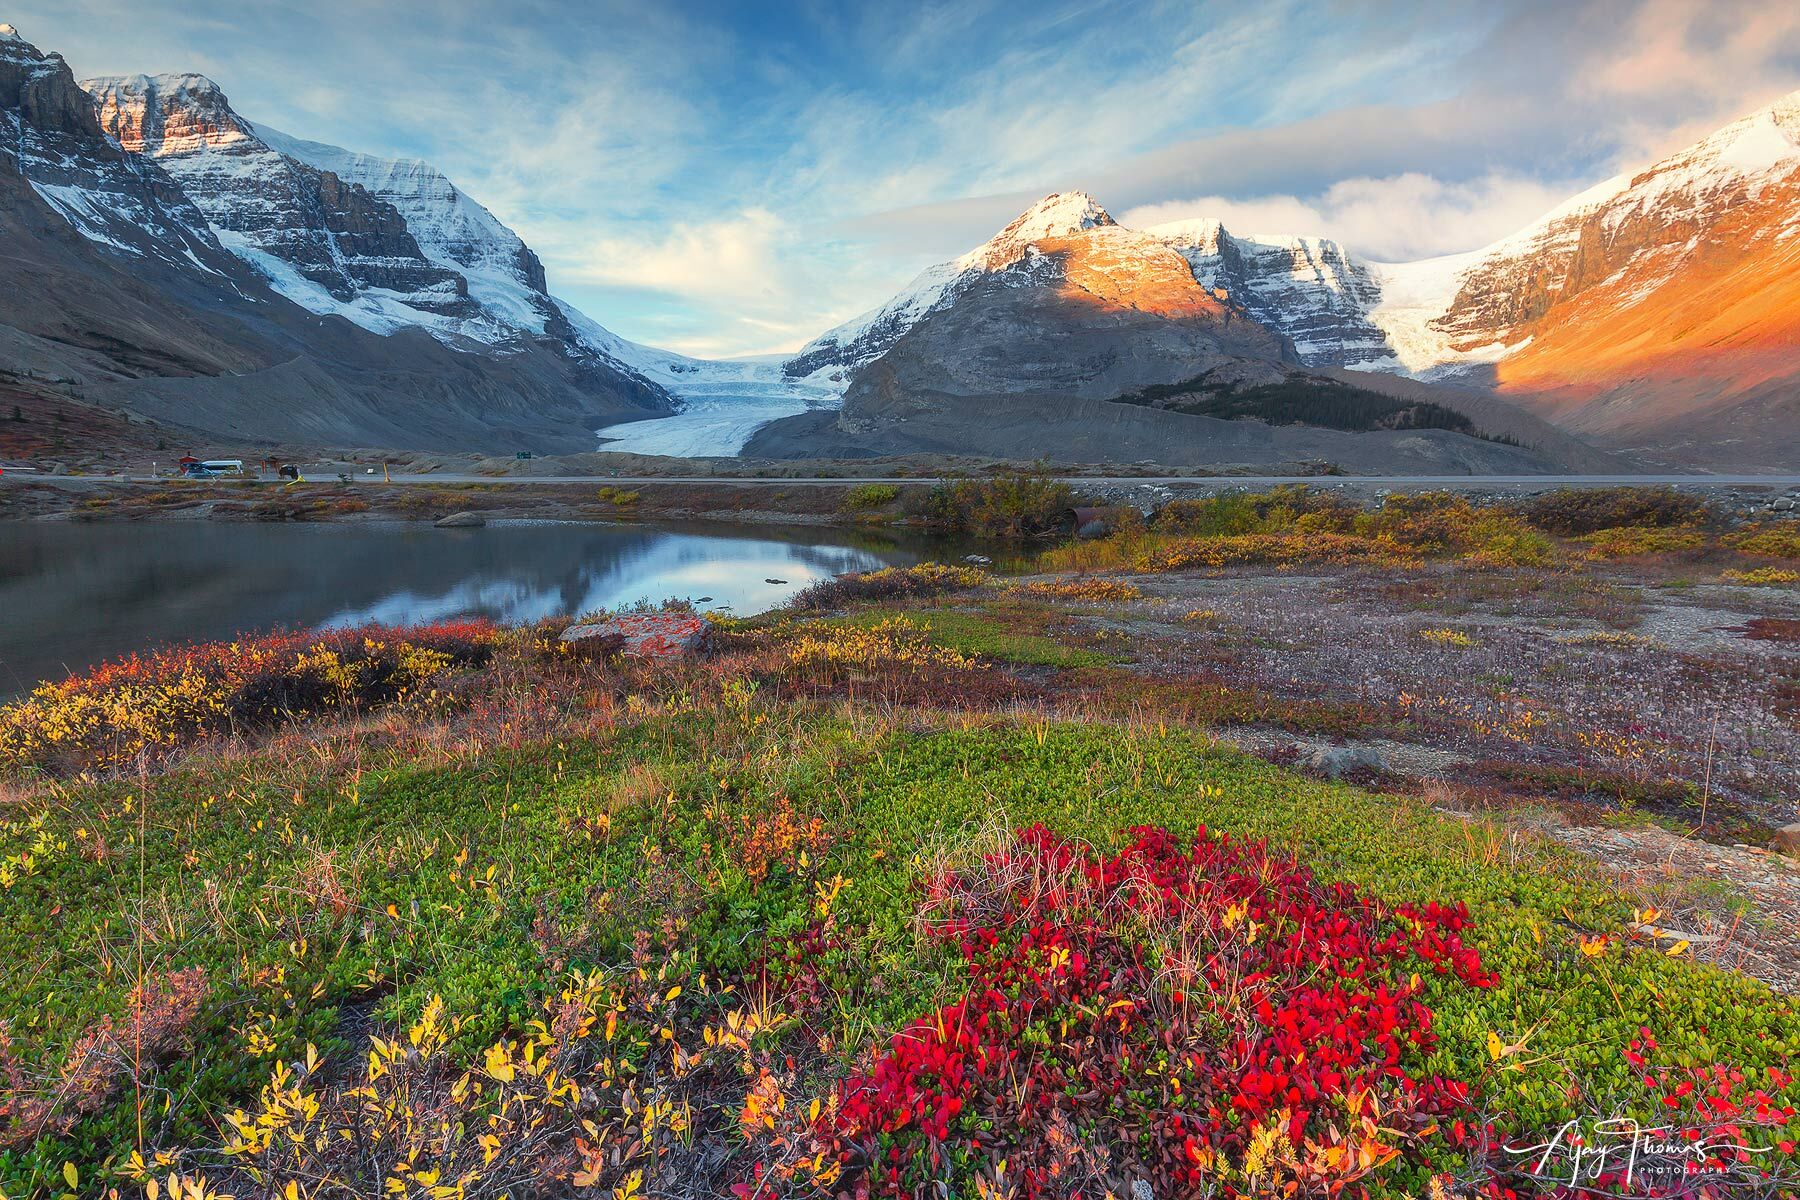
x=643, y=635
x=1787, y=839
x=1338, y=761
x=462, y=520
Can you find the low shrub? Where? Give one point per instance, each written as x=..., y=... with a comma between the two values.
x=1572, y=512
x=1274, y=511
x=1010, y=636
x=1013, y=504
x=618, y=497
x=1773, y=629
x=1763, y=577
x=159, y=702
x=831, y=652
x=889, y=583
x=1084, y=589
x=603, y=1091
x=1773, y=539
x=1504, y=544
x=1294, y=524
x=1258, y=549
x=1639, y=541
x=866, y=496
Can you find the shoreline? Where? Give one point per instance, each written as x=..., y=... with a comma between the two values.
x=755, y=501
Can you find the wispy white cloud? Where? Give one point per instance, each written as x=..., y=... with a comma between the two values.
x=1683, y=68
x=747, y=282
x=1396, y=219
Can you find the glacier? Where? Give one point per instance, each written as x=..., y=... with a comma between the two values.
x=723, y=404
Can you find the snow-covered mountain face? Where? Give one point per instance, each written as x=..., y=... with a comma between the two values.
x=1650, y=224
x=503, y=275
x=324, y=241
x=1309, y=288
x=50, y=136
x=1066, y=235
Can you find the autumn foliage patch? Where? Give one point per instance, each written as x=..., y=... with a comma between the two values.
x=157, y=702
x=1191, y=1013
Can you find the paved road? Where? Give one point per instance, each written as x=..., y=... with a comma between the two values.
x=1406, y=481
x=1463, y=482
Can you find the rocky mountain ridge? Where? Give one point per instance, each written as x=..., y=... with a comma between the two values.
x=1069, y=336
x=1658, y=311
x=219, y=313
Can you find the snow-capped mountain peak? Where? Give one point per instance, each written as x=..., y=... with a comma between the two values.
x=842, y=349
x=1059, y=215
x=50, y=136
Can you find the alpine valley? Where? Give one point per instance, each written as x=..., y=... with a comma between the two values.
x=177, y=262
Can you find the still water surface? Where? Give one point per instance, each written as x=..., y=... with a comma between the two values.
x=72, y=595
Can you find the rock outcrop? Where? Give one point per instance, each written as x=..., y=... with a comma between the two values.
x=642, y=635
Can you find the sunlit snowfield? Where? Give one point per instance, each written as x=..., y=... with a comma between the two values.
x=725, y=403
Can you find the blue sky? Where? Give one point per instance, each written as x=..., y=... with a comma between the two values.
x=734, y=178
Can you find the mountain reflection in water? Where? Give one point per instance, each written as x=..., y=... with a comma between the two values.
x=72, y=595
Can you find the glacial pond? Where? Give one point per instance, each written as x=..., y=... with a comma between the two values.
x=75, y=594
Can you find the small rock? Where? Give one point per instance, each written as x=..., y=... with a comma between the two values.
x=978, y=560
x=1337, y=761
x=462, y=520
x=643, y=635
x=1787, y=840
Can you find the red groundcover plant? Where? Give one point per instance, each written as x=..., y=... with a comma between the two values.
x=1194, y=1014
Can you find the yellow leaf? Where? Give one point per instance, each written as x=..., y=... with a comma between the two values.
x=1494, y=1047
x=1678, y=948
x=673, y=992
x=499, y=1062
x=70, y=1175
